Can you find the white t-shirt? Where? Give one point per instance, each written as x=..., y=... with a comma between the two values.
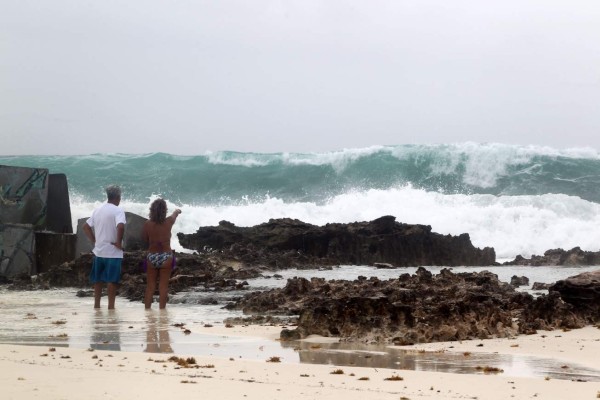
x=104, y=221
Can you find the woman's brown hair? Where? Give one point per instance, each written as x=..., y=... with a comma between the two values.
x=158, y=211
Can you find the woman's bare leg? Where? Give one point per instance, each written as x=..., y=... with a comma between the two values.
x=163, y=284
x=150, y=284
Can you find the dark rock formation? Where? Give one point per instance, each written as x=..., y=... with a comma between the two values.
x=411, y=309
x=575, y=256
x=420, y=308
x=517, y=281
x=583, y=292
x=361, y=243
x=549, y=312
x=540, y=286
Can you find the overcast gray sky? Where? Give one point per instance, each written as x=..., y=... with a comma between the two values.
x=187, y=76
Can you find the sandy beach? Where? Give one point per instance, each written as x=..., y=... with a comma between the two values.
x=42, y=372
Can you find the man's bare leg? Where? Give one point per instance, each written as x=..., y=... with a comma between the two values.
x=97, y=294
x=112, y=294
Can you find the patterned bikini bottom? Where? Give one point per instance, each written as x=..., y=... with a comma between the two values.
x=157, y=259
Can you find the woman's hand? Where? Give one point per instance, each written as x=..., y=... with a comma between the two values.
x=176, y=214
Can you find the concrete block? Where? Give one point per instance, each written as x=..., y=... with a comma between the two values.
x=83, y=245
x=132, y=239
x=23, y=196
x=133, y=232
x=53, y=249
x=58, y=215
x=17, y=250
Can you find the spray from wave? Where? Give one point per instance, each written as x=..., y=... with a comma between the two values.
x=511, y=224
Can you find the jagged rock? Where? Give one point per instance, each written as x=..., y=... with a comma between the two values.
x=291, y=334
x=410, y=309
x=549, y=312
x=540, y=286
x=583, y=292
x=282, y=241
x=553, y=257
x=383, y=266
x=517, y=281
x=418, y=308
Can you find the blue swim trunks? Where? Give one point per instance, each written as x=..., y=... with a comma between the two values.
x=106, y=270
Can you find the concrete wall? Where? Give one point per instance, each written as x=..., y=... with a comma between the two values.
x=33, y=206
x=23, y=196
x=53, y=249
x=17, y=250
x=58, y=215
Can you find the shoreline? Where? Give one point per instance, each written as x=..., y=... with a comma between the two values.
x=30, y=372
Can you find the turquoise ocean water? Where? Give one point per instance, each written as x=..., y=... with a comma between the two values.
x=520, y=200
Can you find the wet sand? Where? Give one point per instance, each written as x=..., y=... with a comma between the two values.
x=125, y=353
x=32, y=372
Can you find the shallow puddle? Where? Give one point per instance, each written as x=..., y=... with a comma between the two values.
x=372, y=356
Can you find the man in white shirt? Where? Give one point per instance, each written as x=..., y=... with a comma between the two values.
x=105, y=229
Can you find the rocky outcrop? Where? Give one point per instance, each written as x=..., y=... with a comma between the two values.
x=540, y=286
x=517, y=281
x=550, y=312
x=418, y=308
x=411, y=309
x=382, y=241
x=583, y=292
x=553, y=257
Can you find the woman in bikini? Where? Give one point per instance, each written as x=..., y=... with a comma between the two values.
x=157, y=233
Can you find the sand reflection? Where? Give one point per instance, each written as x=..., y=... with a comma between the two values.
x=106, y=333
x=157, y=332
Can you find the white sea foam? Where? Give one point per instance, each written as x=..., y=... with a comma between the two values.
x=513, y=225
